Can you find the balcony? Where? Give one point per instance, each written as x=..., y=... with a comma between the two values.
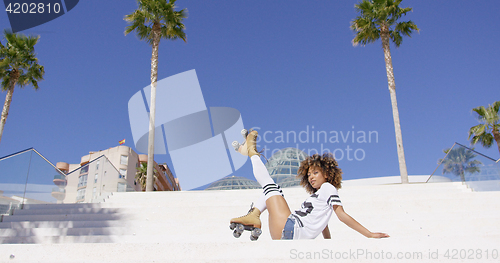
x=58, y=193
x=60, y=180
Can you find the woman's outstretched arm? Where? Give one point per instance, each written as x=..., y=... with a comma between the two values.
x=352, y=223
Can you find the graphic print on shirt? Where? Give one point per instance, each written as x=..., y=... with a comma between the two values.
x=307, y=207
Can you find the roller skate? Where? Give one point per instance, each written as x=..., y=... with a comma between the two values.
x=249, y=146
x=250, y=222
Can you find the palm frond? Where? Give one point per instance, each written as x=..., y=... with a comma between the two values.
x=496, y=106
x=489, y=119
x=396, y=38
x=486, y=139
x=6, y=83
x=481, y=112
x=366, y=31
x=140, y=175
x=378, y=15
x=161, y=13
x=18, y=61
x=477, y=130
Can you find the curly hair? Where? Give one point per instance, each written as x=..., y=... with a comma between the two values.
x=328, y=166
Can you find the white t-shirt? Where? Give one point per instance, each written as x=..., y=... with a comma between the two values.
x=315, y=213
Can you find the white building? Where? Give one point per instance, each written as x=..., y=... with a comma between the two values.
x=103, y=172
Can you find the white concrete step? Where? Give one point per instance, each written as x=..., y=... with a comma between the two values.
x=356, y=249
x=64, y=217
x=194, y=227
x=52, y=232
x=62, y=239
x=63, y=210
x=59, y=206
x=62, y=224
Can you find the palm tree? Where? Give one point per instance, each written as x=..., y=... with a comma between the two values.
x=379, y=19
x=18, y=66
x=489, y=129
x=459, y=161
x=141, y=175
x=152, y=21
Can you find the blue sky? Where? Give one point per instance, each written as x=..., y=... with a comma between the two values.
x=285, y=65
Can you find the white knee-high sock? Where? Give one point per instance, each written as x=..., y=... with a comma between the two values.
x=260, y=171
x=268, y=185
x=261, y=203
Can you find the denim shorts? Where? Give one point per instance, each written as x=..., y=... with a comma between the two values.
x=288, y=230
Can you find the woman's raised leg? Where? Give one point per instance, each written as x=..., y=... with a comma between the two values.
x=275, y=202
x=272, y=198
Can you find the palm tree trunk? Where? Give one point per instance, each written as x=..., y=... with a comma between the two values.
x=496, y=135
x=152, y=110
x=462, y=177
x=6, y=107
x=395, y=111
x=462, y=173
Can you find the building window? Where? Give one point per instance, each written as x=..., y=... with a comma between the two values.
x=84, y=169
x=95, y=177
x=97, y=165
x=80, y=194
x=124, y=159
x=94, y=193
x=123, y=173
x=284, y=170
x=82, y=181
x=122, y=187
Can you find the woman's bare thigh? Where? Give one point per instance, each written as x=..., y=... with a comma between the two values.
x=278, y=213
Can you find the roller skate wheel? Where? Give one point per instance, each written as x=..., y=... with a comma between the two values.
x=240, y=228
x=244, y=132
x=232, y=226
x=256, y=232
x=236, y=145
x=254, y=238
x=236, y=234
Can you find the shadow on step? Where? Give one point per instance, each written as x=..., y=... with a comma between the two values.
x=63, y=224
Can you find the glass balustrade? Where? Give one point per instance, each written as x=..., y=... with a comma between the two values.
x=27, y=177
x=463, y=164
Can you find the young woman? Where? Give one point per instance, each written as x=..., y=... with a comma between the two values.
x=321, y=177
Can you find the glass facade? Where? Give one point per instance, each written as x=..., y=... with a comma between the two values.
x=462, y=164
x=27, y=177
x=284, y=165
x=233, y=182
